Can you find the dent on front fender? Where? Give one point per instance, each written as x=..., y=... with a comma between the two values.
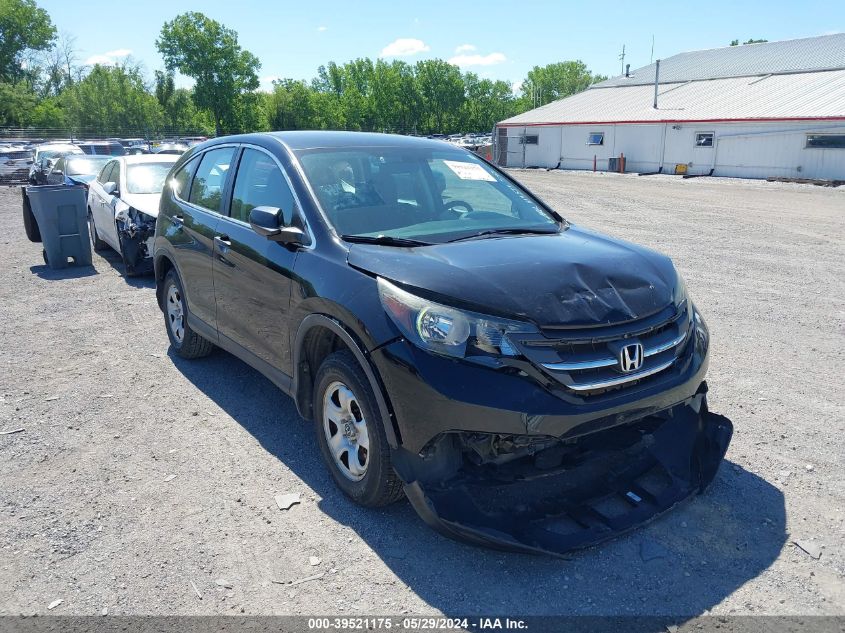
x=568, y=495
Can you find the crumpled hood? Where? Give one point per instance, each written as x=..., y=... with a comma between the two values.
x=574, y=278
x=144, y=202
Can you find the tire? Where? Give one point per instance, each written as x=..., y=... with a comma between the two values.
x=30, y=224
x=378, y=485
x=96, y=243
x=188, y=344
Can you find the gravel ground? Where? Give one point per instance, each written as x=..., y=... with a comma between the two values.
x=142, y=481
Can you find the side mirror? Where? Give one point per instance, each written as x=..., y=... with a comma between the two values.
x=111, y=189
x=267, y=221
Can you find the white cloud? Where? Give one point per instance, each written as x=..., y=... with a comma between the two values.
x=109, y=58
x=322, y=28
x=478, y=60
x=266, y=83
x=404, y=47
x=516, y=87
x=465, y=48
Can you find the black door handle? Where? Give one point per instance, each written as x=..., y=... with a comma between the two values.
x=179, y=219
x=223, y=239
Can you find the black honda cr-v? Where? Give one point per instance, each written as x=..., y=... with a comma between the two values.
x=527, y=383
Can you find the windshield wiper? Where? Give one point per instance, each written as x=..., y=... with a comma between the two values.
x=525, y=231
x=384, y=240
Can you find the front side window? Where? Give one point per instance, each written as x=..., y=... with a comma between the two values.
x=704, y=139
x=260, y=183
x=826, y=141
x=423, y=194
x=146, y=177
x=207, y=187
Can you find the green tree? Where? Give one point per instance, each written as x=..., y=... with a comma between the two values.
x=24, y=27
x=16, y=103
x=487, y=102
x=291, y=106
x=204, y=49
x=441, y=89
x=112, y=100
x=545, y=84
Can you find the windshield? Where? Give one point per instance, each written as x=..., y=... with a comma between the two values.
x=147, y=177
x=84, y=166
x=424, y=194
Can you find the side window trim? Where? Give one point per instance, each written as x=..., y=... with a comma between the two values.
x=229, y=186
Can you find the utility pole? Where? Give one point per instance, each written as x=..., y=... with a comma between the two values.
x=622, y=58
x=651, y=57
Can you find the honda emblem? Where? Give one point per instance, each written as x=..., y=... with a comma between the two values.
x=631, y=357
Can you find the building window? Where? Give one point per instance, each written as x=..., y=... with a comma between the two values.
x=531, y=139
x=826, y=141
x=704, y=139
x=595, y=138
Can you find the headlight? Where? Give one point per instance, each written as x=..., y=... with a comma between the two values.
x=445, y=330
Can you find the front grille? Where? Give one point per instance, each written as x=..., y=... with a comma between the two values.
x=589, y=362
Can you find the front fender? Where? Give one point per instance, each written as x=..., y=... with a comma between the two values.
x=303, y=378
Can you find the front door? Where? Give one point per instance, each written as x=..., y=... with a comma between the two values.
x=252, y=275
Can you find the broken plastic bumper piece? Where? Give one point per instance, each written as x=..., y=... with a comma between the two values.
x=578, y=493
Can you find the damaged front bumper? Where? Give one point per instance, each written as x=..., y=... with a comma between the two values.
x=568, y=494
x=135, y=231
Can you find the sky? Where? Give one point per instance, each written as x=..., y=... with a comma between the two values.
x=496, y=39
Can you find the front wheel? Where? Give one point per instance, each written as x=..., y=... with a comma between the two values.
x=96, y=243
x=186, y=342
x=350, y=433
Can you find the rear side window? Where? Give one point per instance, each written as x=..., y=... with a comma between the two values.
x=208, y=183
x=260, y=183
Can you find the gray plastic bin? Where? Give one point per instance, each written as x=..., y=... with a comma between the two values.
x=63, y=223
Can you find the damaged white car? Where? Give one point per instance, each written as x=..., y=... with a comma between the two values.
x=123, y=207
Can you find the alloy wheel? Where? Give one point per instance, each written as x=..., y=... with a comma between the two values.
x=346, y=431
x=175, y=313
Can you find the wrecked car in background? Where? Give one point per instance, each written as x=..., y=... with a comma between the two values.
x=76, y=170
x=123, y=206
x=45, y=158
x=529, y=384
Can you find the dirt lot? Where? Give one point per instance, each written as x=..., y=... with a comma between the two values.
x=138, y=473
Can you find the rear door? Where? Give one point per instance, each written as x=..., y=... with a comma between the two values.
x=252, y=275
x=195, y=222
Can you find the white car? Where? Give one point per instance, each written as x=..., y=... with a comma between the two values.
x=123, y=207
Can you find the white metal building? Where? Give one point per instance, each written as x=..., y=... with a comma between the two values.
x=775, y=109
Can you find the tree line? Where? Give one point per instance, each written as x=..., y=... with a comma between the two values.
x=42, y=85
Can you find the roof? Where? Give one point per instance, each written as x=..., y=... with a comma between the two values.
x=304, y=139
x=804, y=96
x=826, y=52
x=773, y=81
